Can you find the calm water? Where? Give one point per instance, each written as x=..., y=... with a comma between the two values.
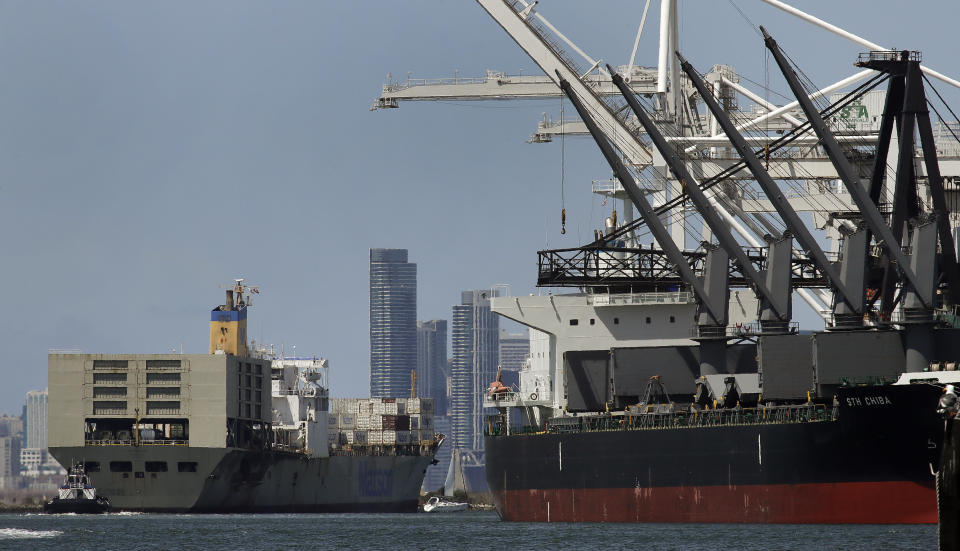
x=433, y=532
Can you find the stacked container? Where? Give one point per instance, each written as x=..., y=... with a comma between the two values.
x=380, y=421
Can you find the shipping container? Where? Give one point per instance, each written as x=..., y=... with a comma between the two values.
x=388, y=422
x=348, y=421
x=415, y=422
x=403, y=422
x=389, y=437
x=390, y=408
x=364, y=422
x=403, y=437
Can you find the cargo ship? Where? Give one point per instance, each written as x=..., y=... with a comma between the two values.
x=675, y=385
x=235, y=430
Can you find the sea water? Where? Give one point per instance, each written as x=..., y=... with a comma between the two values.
x=434, y=532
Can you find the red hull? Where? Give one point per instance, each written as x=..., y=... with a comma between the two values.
x=838, y=503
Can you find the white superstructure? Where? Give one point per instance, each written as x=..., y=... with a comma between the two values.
x=300, y=404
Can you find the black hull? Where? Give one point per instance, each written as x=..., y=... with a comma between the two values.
x=78, y=506
x=872, y=464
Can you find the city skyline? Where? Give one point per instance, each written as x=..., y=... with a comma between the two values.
x=122, y=116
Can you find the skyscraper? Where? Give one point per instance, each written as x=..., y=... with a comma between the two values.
x=393, y=322
x=36, y=419
x=475, y=335
x=432, y=363
x=9, y=460
x=514, y=348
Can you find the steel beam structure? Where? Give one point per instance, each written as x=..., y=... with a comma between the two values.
x=660, y=233
x=790, y=217
x=703, y=205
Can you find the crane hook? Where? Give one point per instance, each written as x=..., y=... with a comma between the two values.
x=563, y=221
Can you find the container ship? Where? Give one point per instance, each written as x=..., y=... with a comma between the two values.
x=235, y=430
x=675, y=385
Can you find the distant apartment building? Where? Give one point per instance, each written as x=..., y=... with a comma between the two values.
x=11, y=426
x=393, y=322
x=36, y=429
x=475, y=339
x=514, y=348
x=9, y=461
x=432, y=370
x=35, y=459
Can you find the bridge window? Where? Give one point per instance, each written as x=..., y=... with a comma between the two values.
x=187, y=466
x=155, y=466
x=110, y=364
x=574, y=322
x=110, y=391
x=107, y=378
x=162, y=377
x=163, y=364
x=121, y=466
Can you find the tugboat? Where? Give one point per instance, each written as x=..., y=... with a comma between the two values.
x=76, y=495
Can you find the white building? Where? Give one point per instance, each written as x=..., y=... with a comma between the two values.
x=37, y=419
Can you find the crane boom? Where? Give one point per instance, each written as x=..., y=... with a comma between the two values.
x=516, y=24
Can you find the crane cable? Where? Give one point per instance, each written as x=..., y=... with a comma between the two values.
x=563, y=174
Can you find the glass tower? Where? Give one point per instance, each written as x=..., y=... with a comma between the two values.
x=432, y=368
x=475, y=332
x=393, y=322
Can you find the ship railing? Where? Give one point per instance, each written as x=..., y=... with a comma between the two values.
x=618, y=299
x=501, y=399
x=812, y=413
x=135, y=443
x=378, y=450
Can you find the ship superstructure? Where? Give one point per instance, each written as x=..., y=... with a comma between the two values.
x=236, y=430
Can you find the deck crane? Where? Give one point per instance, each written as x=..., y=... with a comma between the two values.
x=712, y=291
x=846, y=290
x=775, y=295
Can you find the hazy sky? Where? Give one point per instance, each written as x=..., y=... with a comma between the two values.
x=152, y=151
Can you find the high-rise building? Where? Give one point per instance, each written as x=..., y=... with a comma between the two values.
x=36, y=429
x=393, y=322
x=11, y=426
x=475, y=332
x=514, y=348
x=9, y=459
x=432, y=363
